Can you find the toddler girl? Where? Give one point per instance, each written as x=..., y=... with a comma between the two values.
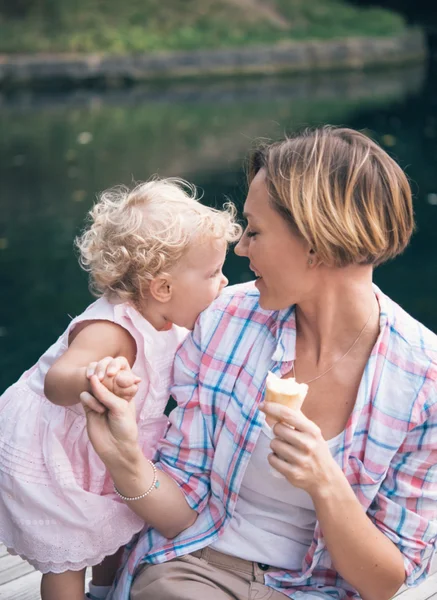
x=155, y=257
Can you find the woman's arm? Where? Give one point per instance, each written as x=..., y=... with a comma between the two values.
x=185, y=455
x=114, y=437
x=359, y=551
x=362, y=550
x=91, y=341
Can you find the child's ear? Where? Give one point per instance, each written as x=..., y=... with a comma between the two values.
x=160, y=288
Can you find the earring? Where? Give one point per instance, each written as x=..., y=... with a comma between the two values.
x=310, y=261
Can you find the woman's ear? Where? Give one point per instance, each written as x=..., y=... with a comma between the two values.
x=160, y=288
x=311, y=257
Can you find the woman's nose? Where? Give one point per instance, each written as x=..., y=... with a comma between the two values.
x=241, y=248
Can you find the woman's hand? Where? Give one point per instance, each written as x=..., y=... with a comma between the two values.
x=114, y=432
x=300, y=452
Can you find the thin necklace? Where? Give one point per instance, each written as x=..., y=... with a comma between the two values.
x=338, y=360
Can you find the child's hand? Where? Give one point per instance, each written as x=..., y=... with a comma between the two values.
x=116, y=375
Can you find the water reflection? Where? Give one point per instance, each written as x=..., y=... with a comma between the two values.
x=58, y=150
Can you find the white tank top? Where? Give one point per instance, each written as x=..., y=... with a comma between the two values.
x=274, y=521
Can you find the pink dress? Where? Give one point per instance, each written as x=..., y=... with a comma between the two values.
x=58, y=509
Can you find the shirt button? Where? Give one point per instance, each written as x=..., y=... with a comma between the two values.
x=263, y=567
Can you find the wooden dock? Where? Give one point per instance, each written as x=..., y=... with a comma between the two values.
x=19, y=581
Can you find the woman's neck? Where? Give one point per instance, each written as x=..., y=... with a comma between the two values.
x=333, y=315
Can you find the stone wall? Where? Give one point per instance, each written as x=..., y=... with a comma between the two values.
x=293, y=57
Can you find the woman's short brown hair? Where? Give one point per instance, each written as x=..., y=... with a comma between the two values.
x=341, y=192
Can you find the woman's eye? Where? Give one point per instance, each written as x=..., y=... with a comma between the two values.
x=251, y=234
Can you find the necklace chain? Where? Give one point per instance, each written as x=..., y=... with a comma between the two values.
x=341, y=357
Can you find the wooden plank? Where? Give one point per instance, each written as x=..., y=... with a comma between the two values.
x=13, y=567
x=19, y=580
x=3, y=550
x=425, y=591
x=24, y=588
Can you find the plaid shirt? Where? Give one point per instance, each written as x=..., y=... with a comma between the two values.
x=388, y=450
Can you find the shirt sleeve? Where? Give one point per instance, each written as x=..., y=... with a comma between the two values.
x=405, y=508
x=186, y=452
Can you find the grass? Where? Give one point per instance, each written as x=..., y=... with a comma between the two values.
x=133, y=26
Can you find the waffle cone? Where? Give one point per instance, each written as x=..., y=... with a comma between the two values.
x=276, y=391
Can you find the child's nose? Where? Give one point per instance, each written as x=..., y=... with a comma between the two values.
x=224, y=282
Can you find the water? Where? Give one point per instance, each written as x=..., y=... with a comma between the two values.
x=58, y=150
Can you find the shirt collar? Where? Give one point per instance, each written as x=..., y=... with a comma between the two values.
x=285, y=333
x=386, y=313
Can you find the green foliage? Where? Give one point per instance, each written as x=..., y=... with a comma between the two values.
x=153, y=25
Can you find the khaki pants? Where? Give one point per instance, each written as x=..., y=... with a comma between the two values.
x=203, y=575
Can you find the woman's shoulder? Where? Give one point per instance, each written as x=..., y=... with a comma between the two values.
x=235, y=318
x=238, y=300
x=410, y=351
x=410, y=335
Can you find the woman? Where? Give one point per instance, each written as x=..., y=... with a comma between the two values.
x=351, y=514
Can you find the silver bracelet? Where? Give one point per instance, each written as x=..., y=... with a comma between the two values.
x=154, y=485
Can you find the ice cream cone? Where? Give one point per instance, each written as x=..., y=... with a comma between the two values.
x=284, y=391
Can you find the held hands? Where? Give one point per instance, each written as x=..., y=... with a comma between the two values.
x=300, y=453
x=116, y=375
x=112, y=429
x=111, y=416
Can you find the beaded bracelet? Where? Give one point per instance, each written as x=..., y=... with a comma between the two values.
x=155, y=484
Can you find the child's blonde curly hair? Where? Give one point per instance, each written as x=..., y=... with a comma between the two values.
x=137, y=234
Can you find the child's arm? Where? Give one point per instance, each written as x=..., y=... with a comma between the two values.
x=91, y=342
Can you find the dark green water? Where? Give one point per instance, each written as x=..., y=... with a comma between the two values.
x=57, y=151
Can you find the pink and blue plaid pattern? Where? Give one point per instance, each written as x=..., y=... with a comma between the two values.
x=388, y=451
